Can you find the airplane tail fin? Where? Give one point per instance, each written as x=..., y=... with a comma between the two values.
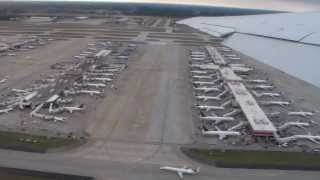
x=198, y=170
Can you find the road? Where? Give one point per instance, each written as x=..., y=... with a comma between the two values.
x=107, y=170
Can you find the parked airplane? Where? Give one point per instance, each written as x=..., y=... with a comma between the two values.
x=96, y=85
x=279, y=103
x=20, y=91
x=197, y=52
x=264, y=87
x=203, y=83
x=289, y=124
x=75, y=108
x=198, y=55
x=181, y=171
x=90, y=92
x=234, y=58
x=97, y=79
x=301, y=113
x=230, y=55
x=99, y=74
x=199, y=72
x=2, y=81
x=207, y=89
x=209, y=108
x=203, y=76
x=217, y=119
x=256, y=81
x=284, y=140
x=2, y=111
x=257, y=94
x=198, y=59
x=206, y=98
x=222, y=134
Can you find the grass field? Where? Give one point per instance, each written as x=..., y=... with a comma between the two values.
x=258, y=159
x=20, y=174
x=25, y=142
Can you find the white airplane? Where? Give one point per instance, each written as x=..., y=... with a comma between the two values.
x=206, y=98
x=203, y=83
x=84, y=91
x=209, y=66
x=90, y=92
x=2, y=111
x=199, y=72
x=230, y=55
x=75, y=108
x=222, y=134
x=197, y=59
x=203, y=76
x=112, y=70
x=240, y=69
x=35, y=113
x=2, y=81
x=99, y=74
x=96, y=85
x=265, y=87
x=92, y=49
x=284, y=140
x=207, y=89
x=197, y=52
x=123, y=57
x=257, y=94
x=217, y=119
x=181, y=171
x=301, y=113
x=234, y=58
x=209, y=108
x=103, y=70
x=279, y=103
x=297, y=124
x=256, y=81
x=96, y=79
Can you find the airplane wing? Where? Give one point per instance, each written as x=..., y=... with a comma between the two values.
x=180, y=174
x=266, y=31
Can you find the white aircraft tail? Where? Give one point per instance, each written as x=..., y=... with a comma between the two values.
x=197, y=170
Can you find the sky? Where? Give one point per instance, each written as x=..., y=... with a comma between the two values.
x=284, y=5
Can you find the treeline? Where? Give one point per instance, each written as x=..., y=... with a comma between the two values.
x=16, y=8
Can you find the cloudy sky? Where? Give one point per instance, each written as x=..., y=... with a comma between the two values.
x=286, y=5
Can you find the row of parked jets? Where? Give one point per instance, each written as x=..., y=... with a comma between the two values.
x=92, y=82
x=206, y=80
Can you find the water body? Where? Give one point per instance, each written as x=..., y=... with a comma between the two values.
x=299, y=60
